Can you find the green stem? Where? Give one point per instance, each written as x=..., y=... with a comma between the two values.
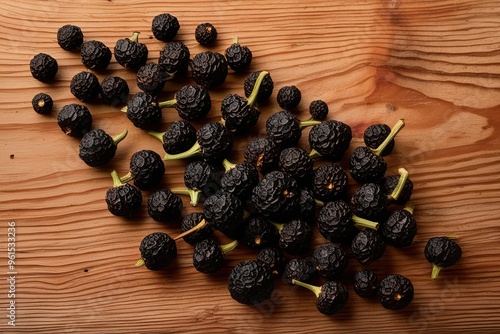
x=409, y=207
x=139, y=263
x=193, y=194
x=319, y=203
x=157, y=135
x=278, y=226
x=394, y=131
x=116, y=179
x=228, y=165
x=308, y=122
x=126, y=178
x=124, y=109
x=313, y=288
x=236, y=40
x=167, y=104
x=399, y=187
x=135, y=36
x=435, y=271
x=118, y=138
x=452, y=236
x=253, y=96
x=362, y=223
x=195, y=228
x=194, y=150
x=314, y=154
x=229, y=247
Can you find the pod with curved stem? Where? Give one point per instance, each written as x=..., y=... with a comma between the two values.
x=399, y=187
x=194, y=194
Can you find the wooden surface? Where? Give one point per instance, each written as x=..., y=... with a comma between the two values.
x=433, y=63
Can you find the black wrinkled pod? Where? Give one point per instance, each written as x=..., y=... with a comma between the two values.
x=158, y=250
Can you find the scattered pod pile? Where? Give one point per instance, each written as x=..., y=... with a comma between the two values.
x=274, y=200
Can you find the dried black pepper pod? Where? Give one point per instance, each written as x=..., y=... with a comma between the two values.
x=288, y=97
x=209, y=69
x=274, y=258
x=331, y=296
x=205, y=33
x=295, y=236
x=239, y=57
x=42, y=103
x=285, y=129
x=258, y=233
x=334, y=221
x=74, y=120
x=263, y=153
x=375, y=135
x=367, y=246
x=95, y=55
x=366, y=283
x=329, y=182
x=164, y=206
x=158, y=250
x=179, y=137
x=266, y=87
x=98, y=148
x=400, y=228
x=302, y=269
x=318, y=110
x=165, y=27
x=395, y=292
x=174, y=58
x=192, y=102
x=214, y=143
x=114, y=90
x=297, y=162
x=330, y=139
x=223, y=211
x=122, y=199
x=331, y=260
x=69, y=37
x=441, y=252
x=208, y=255
x=239, y=179
x=151, y=78
x=85, y=86
x=43, y=67
x=389, y=184
x=199, y=178
x=189, y=222
x=130, y=53
x=146, y=169
x=369, y=201
x=251, y=282
x=143, y=111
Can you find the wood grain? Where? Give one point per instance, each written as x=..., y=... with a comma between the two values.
x=435, y=64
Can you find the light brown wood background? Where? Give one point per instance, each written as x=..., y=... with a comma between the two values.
x=434, y=63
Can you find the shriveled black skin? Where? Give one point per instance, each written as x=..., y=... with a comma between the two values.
x=388, y=184
x=216, y=142
x=174, y=58
x=331, y=139
x=123, y=200
x=265, y=89
x=263, y=153
x=190, y=221
x=399, y=229
x=179, y=137
x=151, y=78
x=297, y=162
x=97, y=148
x=74, y=120
x=442, y=251
x=251, y=282
x=366, y=283
x=274, y=258
x=209, y=69
x=283, y=128
x=277, y=196
x=331, y=260
x=193, y=102
x=288, y=97
x=85, y=86
x=375, y=135
x=95, y=55
x=365, y=166
x=130, y=54
x=164, y=206
x=239, y=57
x=367, y=246
x=114, y=90
x=395, y=292
x=301, y=269
x=205, y=33
x=158, y=250
x=369, y=201
x=329, y=182
x=42, y=103
x=307, y=205
x=143, y=111
x=198, y=174
x=147, y=169
x=165, y=27
x=258, y=233
x=332, y=297
x=43, y=67
x=295, y=237
x=223, y=211
x=334, y=221
x=69, y=37
x=240, y=180
x=318, y=110
x=207, y=256
x=238, y=116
